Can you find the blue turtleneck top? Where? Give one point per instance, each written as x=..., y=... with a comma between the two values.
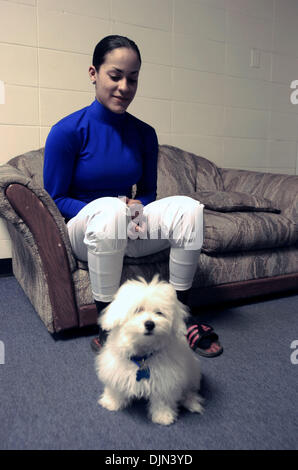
x=94, y=153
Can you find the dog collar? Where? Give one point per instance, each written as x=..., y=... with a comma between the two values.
x=143, y=372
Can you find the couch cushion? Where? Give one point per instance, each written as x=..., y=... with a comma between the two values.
x=181, y=172
x=224, y=201
x=279, y=188
x=243, y=231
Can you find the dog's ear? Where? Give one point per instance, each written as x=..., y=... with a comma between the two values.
x=110, y=316
x=179, y=321
x=116, y=312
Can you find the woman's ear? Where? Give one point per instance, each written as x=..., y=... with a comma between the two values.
x=92, y=74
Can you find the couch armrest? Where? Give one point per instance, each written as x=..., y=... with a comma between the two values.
x=52, y=252
x=11, y=175
x=278, y=188
x=36, y=218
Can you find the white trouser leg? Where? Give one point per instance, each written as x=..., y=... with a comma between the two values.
x=178, y=221
x=183, y=266
x=98, y=235
x=105, y=274
x=183, y=222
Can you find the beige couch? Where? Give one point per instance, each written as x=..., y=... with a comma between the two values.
x=250, y=236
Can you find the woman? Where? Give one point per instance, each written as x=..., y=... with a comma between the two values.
x=93, y=157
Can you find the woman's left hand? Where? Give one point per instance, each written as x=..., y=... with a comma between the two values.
x=134, y=202
x=136, y=210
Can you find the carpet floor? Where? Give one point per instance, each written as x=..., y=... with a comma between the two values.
x=49, y=388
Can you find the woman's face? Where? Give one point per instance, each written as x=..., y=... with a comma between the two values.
x=117, y=79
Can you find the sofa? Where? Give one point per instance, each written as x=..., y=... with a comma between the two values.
x=250, y=236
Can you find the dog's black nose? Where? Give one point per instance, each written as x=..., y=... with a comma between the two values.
x=149, y=325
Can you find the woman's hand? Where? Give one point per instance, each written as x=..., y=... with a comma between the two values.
x=133, y=202
x=136, y=210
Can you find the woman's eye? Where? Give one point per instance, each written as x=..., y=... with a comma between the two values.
x=115, y=78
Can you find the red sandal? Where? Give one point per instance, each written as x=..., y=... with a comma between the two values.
x=98, y=342
x=203, y=340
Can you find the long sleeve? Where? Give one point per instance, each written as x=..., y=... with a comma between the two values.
x=146, y=186
x=94, y=153
x=61, y=150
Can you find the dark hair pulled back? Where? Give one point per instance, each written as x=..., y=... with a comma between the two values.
x=108, y=44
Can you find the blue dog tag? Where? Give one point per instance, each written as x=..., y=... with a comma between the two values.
x=143, y=373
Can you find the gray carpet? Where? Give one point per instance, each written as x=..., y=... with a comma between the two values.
x=49, y=389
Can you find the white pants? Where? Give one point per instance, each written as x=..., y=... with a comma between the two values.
x=103, y=232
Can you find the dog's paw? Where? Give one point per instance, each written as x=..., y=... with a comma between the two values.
x=109, y=403
x=193, y=403
x=164, y=417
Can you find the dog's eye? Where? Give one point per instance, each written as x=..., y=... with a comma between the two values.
x=139, y=310
x=159, y=313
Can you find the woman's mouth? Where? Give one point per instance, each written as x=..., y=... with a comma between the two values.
x=120, y=99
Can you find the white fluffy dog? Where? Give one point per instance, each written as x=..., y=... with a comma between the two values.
x=146, y=354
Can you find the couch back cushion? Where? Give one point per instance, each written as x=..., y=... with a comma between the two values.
x=181, y=172
x=231, y=201
x=281, y=189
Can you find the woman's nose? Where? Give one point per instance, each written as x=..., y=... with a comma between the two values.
x=123, y=85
